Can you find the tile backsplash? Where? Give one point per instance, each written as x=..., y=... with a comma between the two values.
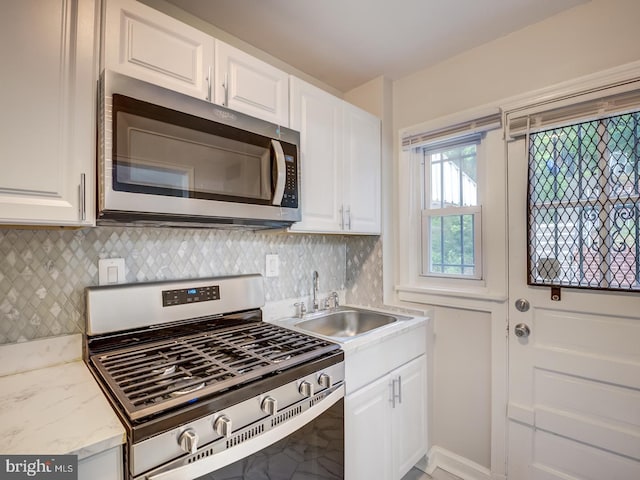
x=43, y=273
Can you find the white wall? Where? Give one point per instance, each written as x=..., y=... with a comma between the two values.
x=586, y=39
x=470, y=339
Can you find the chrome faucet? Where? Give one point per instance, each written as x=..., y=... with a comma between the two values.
x=316, y=286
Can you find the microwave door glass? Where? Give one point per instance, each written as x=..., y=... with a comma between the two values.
x=160, y=158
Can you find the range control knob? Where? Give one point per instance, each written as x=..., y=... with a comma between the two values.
x=306, y=389
x=222, y=426
x=269, y=406
x=188, y=441
x=324, y=380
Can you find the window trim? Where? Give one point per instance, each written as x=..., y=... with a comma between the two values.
x=409, y=284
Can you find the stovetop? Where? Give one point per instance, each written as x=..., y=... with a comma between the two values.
x=153, y=377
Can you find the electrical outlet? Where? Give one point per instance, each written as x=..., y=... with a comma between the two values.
x=272, y=265
x=111, y=271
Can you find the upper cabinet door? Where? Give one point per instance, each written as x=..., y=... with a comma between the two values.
x=47, y=126
x=318, y=117
x=361, y=171
x=251, y=86
x=144, y=43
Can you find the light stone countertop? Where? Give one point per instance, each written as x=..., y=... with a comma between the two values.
x=51, y=404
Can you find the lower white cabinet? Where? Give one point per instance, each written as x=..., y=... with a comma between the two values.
x=107, y=465
x=385, y=424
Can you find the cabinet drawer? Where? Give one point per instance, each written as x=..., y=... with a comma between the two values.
x=369, y=363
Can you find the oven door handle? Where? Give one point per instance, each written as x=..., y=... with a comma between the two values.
x=281, y=172
x=215, y=462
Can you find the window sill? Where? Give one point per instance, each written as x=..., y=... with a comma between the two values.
x=416, y=294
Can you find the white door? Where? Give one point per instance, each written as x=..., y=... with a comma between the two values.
x=574, y=381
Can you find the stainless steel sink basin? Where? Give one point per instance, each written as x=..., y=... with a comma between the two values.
x=346, y=323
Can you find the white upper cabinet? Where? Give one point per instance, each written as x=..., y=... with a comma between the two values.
x=361, y=171
x=47, y=126
x=317, y=115
x=340, y=163
x=249, y=85
x=146, y=44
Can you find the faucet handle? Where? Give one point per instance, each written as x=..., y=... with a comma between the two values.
x=334, y=300
x=302, y=309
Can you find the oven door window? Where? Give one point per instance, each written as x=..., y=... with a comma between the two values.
x=162, y=152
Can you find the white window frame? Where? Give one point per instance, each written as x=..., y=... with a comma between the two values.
x=410, y=285
x=427, y=212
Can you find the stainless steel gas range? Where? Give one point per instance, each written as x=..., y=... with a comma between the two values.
x=201, y=382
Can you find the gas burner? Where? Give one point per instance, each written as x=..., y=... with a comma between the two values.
x=185, y=386
x=163, y=374
x=164, y=371
x=276, y=355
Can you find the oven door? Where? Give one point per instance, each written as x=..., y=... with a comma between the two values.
x=310, y=444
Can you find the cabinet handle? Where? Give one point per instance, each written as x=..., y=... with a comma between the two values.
x=341, y=218
x=209, y=85
x=400, y=390
x=393, y=393
x=349, y=218
x=225, y=85
x=83, y=197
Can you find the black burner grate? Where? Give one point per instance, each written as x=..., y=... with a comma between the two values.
x=155, y=377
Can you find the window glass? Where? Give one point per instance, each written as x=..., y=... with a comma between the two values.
x=584, y=208
x=451, y=213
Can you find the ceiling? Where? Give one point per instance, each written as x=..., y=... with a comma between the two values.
x=345, y=43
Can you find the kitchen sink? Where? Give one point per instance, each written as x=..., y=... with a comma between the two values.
x=347, y=323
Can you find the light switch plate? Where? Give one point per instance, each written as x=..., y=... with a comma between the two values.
x=111, y=271
x=272, y=265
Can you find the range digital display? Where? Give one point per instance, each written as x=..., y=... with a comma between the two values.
x=190, y=295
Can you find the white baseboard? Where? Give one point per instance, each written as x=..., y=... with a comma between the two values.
x=457, y=465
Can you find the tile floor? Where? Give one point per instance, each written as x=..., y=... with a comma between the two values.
x=415, y=474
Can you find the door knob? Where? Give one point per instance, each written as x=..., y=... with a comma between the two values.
x=522, y=330
x=522, y=304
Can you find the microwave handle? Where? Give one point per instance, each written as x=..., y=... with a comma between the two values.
x=281, y=173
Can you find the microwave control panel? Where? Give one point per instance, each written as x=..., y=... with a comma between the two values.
x=290, y=197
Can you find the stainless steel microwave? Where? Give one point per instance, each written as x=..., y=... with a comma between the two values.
x=169, y=159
